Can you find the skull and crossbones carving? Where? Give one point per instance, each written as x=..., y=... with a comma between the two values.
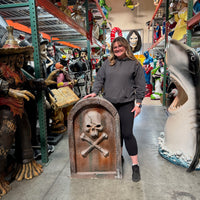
x=92, y=123
x=93, y=127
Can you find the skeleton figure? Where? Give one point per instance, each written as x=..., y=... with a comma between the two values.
x=92, y=123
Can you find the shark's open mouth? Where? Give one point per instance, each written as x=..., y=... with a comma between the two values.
x=180, y=98
x=180, y=143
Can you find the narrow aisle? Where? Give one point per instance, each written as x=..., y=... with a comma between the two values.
x=159, y=178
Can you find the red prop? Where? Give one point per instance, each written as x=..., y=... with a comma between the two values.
x=114, y=30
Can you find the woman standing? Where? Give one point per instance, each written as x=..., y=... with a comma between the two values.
x=123, y=83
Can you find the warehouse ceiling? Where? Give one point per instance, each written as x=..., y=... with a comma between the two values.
x=48, y=23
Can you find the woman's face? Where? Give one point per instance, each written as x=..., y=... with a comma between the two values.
x=119, y=50
x=133, y=40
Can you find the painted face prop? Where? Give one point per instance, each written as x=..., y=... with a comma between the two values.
x=133, y=40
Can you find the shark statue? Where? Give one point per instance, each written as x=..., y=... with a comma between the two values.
x=180, y=143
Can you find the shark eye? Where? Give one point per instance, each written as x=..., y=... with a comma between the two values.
x=193, y=62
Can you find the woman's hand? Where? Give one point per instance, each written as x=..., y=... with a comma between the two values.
x=137, y=111
x=90, y=95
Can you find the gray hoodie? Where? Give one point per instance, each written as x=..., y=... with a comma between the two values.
x=121, y=83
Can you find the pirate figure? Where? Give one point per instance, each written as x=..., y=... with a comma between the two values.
x=14, y=123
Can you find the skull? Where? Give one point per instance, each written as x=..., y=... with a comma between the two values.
x=43, y=51
x=92, y=123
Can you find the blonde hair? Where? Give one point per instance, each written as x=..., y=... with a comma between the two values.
x=125, y=44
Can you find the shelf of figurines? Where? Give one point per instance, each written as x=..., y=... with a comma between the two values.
x=176, y=25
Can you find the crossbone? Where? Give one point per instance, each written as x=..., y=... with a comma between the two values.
x=94, y=144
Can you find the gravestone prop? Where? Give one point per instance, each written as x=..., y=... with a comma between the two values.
x=94, y=139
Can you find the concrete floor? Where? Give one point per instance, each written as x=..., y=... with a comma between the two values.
x=160, y=179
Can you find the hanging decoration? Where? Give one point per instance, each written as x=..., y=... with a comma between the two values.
x=130, y=4
x=113, y=32
x=156, y=2
x=104, y=8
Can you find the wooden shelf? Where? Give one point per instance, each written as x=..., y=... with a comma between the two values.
x=52, y=9
x=193, y=21
x=156, y=43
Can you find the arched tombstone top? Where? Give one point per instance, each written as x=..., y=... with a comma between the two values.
x=93, y=125
x=93, y=102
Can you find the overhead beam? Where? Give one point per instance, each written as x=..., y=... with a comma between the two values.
x=28, y=17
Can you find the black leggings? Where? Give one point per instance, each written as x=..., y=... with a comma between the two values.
x=126, y=127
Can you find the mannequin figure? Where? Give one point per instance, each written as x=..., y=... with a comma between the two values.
x=50, y=59
x=14, y=122
x=181, y=18
x=196, y=7
x=45, y=58
x=147, y=71
x=32, y=104
x=157, y=74
x=164, y=25
x=59, y=119
x=157, y=32
x=196, y=10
